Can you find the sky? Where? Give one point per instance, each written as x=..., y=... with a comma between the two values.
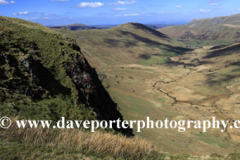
x=106, y=12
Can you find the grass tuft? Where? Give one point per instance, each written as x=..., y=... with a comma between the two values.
x=80, y=141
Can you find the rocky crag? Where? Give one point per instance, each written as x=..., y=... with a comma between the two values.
x=44, y=75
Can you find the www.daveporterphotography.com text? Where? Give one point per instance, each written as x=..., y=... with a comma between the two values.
x=180, y=125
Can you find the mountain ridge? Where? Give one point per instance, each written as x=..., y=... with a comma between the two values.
x=208, y=22
x=223, y=30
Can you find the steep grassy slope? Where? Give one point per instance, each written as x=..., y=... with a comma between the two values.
x=45, y=76
x=210, y=31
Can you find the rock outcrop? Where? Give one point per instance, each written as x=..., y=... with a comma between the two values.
x=44, y=75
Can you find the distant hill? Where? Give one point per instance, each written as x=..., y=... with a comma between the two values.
x=104, y=26
x=158, y=26
x=155, y=26
x=80, y=26
x=75, y=26
x=225, y=30
x=208, y=22
x=130, y=43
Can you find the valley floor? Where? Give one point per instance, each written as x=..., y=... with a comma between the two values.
x=198, y=85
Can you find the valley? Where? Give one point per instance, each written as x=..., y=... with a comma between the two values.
x=180, y=92
x=157, y=78
x=129, y=72
x=120, y=80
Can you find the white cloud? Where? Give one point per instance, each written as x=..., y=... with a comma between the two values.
x=61, y=0
x=99, y=4
x=91, y=5
x=178, y=6
x=119, y=9
x=26, y=12
x=213, y=4
x=220, y=7
x=160, y=12
x=3, y=2
x=135, y=14
x=202, y=10
x=33, y=18
x=46, y=18
x=123, y=2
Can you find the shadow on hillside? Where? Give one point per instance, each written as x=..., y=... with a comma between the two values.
x=218, y=47
x=173, y=63
x=153, y=31
x=48, y=81
x=193, y=64
x=169, y=48
x=212, y=79
x=226, y=51
x=117, y=43
x=39, y=75
x=237, y=64
x=2, y=48
x=145, y=56
x=199, y=63
x=2, y=60
x=178, y=50
x=142, y=39
x=177, y=63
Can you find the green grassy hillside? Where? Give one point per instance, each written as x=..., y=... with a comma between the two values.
x=125, y=44
x=210, y=31
x=44, y=75
x=208, y=22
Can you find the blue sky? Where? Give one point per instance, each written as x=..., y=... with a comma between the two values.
x=98, y=12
